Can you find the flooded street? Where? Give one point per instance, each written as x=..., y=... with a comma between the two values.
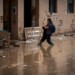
x=30, y=59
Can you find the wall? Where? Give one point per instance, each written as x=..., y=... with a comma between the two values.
x=63, y=16
x=20, y=19
x=61, y=19
x=43, y=11
x=1, y=14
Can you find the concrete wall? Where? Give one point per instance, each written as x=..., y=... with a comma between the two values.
x=64, y=16
x=61, y=17
x=43, y=11
x=20, y=18
x=1, y=14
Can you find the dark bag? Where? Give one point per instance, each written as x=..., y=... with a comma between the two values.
x=53, y=29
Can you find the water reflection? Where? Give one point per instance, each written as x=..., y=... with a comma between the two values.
x=70, y=66
x=49, y=64
x=48, y=60
x=31, y=64
x=46, y=52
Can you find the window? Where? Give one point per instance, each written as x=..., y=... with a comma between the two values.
x=53, y=6
x=70, y=6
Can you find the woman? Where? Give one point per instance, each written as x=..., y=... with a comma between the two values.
x=47, y=33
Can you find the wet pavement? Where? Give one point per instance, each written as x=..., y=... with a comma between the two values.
x=30, y=59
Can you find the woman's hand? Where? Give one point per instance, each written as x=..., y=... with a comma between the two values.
x=45, y=27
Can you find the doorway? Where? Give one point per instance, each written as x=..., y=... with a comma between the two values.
x=27, y=11
x=10, y=17
x=7, y=15
x=31, y=13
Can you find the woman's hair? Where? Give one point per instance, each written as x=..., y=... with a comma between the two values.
x=49, y=20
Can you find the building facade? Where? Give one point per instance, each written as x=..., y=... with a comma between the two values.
x=15, y=15
x=62, y=13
